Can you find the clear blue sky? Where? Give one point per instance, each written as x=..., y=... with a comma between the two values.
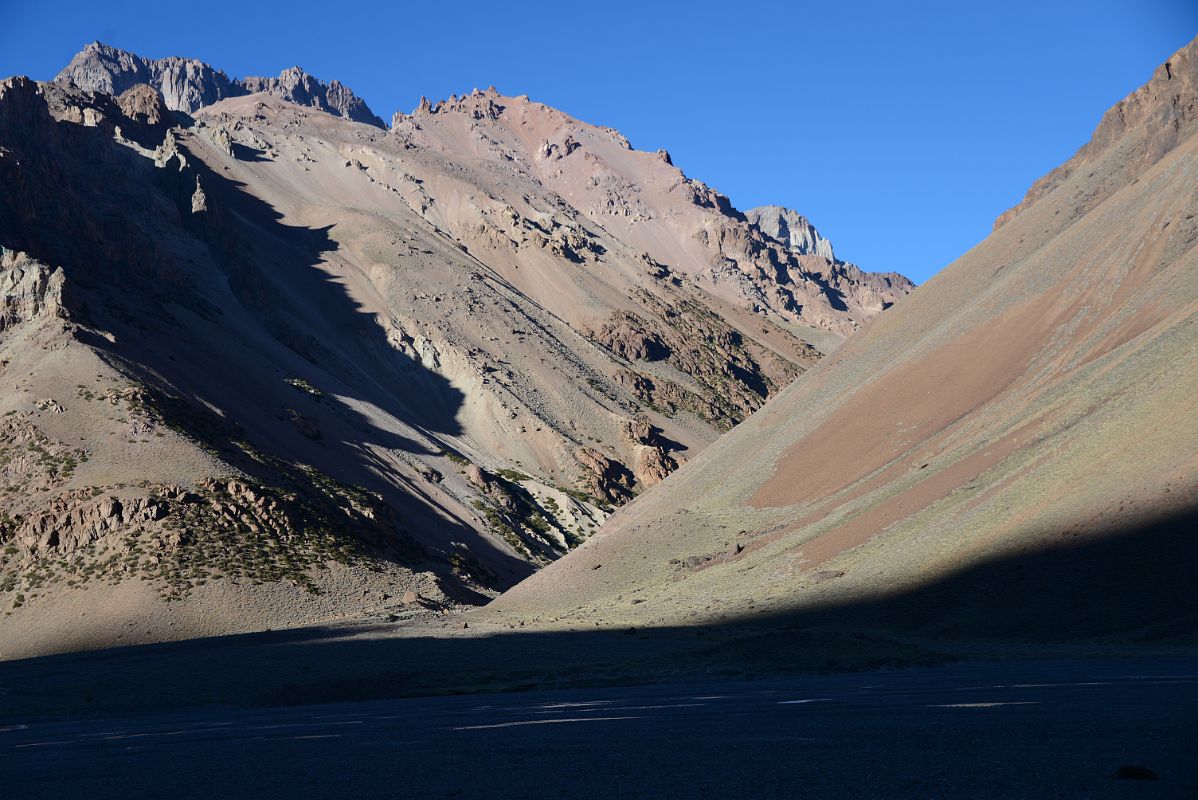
x=900, y=129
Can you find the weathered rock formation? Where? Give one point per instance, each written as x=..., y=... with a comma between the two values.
x=188, y=85
x=185, y=83
x=27, y=289
x=791, y=229
x=297, y=86
x=143, y=104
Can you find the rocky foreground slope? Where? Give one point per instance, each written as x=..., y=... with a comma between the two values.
x=1012, y=452
x=265, y=364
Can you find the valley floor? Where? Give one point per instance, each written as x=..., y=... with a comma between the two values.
x=1060, y=728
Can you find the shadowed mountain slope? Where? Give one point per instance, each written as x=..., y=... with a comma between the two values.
x=1036, y=397
x=265, y=365
x=359, y=662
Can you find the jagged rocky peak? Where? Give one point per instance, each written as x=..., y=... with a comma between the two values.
x=479, y=103
x=299, y=87
x=791, y=229
x=187, y=84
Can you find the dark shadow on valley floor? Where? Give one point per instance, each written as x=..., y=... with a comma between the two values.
x=1131, y=591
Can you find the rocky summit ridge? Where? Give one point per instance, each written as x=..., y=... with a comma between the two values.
x=187, y=84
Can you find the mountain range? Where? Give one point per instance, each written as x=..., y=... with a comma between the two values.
x=267, y=361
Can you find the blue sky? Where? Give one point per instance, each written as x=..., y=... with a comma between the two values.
x=901, y=130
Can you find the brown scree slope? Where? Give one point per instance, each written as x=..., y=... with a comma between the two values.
x=991, y=458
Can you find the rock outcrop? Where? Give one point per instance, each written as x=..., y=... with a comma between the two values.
x=296, y=86
x=653, y=461
x=607, y=478
x=791, y=229
x=27, y=289
x=143, y=104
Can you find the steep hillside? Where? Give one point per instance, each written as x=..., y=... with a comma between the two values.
x=266, y=365
x=1011, y=452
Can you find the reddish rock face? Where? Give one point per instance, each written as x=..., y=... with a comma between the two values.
x=143, y=104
